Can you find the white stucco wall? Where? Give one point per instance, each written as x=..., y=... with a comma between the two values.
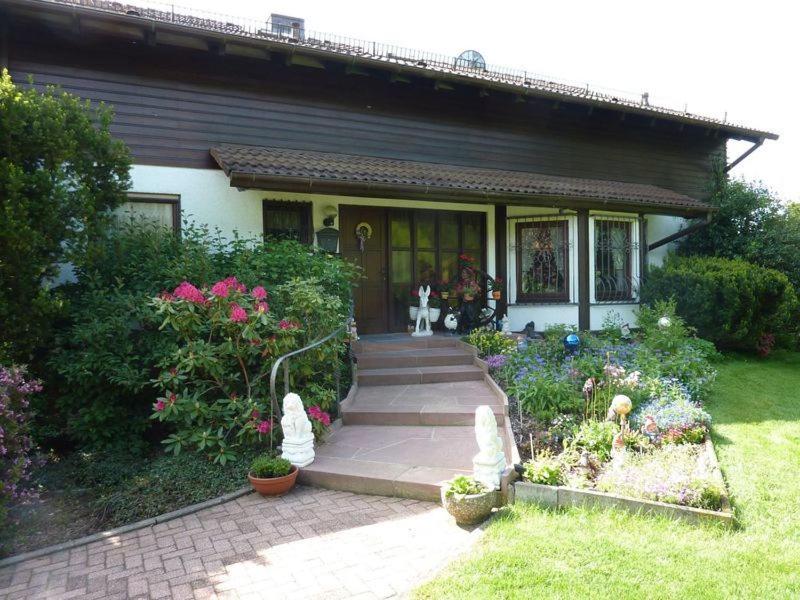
x=207, y=198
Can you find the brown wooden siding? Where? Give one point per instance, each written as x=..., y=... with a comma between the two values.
x=171, y=105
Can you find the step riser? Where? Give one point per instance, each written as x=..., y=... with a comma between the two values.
x=369, y=379
x=409, y=343
x=369, y=485
x=376, y=361
x=357, y=417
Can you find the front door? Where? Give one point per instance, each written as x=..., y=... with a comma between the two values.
x=363, y=241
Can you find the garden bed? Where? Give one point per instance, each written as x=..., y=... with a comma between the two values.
x=613, y=418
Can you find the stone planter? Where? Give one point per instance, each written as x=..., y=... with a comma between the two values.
x=412, y=312
x=274, y=486
x=470, y=510
x=434, y=313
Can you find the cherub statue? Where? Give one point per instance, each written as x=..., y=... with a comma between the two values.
x=298, y=439
x=424, y=313
x=489, y=462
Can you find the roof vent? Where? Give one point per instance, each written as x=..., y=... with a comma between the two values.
x=288, y=27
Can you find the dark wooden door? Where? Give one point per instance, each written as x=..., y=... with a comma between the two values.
x=371, y=295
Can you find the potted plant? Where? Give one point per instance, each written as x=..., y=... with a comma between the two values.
x=469, y=290
x=468, y=500
x=272, y=475
x=495, y=286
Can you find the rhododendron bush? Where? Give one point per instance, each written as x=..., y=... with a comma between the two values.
x=215, y=386
x=15, y=443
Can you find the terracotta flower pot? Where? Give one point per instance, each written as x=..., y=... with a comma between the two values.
x=274, y=486
x=497, y=295
x=470, y=510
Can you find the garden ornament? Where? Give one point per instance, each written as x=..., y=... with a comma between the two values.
x=625, y=331
x=622, y=405
x=650, y=428
x=451, y=322
x=423, y=314
x=618, y=445
x=664, y=322
x=298, y=439
x=489, y=463
x=530, y=329
x=506, y=324
x=571, y=343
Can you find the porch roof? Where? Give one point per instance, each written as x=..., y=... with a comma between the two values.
x=331, y=173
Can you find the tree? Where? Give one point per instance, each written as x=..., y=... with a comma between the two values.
x=751, y=224
x=60, y=173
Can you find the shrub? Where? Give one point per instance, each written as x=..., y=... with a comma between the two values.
x=15, y=442
x=545, y=469
x=489, y=342
x=596, y=437
x=268, y=467
x=733, y=303
x=464, y=485
x=60, y=170
x=108, y=350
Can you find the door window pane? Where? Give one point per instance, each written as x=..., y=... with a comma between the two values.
x=448, y=232
x=543, y=261
x=426, y=230
x=473, y=234
x=426, y=266
x=401, y=231
x=401, y=266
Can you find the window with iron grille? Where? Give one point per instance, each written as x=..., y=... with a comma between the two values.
x=287, y=220
x=615, y=251
x=542, y=249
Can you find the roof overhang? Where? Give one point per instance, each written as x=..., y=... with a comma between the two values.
x=311, y=172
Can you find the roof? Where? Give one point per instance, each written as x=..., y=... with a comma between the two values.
x=378, y=55
x=328, y=172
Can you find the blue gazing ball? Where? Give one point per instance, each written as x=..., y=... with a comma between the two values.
x=571, y=343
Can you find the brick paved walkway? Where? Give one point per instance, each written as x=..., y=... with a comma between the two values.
x=311, y=543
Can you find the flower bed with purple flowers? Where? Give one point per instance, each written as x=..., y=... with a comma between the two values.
x=620, y=413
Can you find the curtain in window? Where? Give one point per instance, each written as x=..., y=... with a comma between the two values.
x=542, y=259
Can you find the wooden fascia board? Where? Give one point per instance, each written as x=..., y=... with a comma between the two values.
x=438, y=194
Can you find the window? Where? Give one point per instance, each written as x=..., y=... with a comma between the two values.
x=288, y=220
x=543, y=261
x=160, y=209
x=614, y=251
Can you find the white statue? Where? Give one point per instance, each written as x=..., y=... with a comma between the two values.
x=298, y=439
x=490, y=461
x=423, y=314
x=506, y=324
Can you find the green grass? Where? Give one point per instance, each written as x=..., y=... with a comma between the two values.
x=535, y=553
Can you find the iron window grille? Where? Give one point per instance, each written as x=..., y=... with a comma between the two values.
x=288, y=221
x=616, y=251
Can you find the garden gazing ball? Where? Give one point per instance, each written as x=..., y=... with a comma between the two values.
x=621, y=404
x=664, y=322
x=571, y=343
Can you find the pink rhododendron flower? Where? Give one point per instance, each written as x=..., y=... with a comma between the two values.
x=264, y=427
x=160, y=404
x=255, y=414
x=186, y=291
x=172, y=398
x=220, y=289
x=259, y=292
x=233, y=283
x=238, y=314
x=316, y=413
x=284, y=324
x=262, y=307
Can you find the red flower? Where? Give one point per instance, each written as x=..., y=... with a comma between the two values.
x=259, y=293
x=186, y=291
x=284, y=324
x=160, y=404
x=264, y=427
x=316, y=413
x=238, y=314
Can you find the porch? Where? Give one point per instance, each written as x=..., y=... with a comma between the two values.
x=568, y=250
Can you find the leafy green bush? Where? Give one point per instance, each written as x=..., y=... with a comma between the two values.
x=489, y=342
x=60, y=170
x=545, y=469
x=268, y=467
x=596, y=437
x=464, y=485
x=730, y=302
x=110, y=347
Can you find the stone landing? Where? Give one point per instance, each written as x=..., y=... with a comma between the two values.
x=407, y=424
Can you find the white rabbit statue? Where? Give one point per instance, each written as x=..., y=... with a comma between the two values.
x=423, y=314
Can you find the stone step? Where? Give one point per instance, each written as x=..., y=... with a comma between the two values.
x=402, y=341
x=449, y=404
x=415, y=375
x=429, y=357
x=409, y=462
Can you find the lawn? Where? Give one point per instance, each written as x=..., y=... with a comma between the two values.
x=529, y=552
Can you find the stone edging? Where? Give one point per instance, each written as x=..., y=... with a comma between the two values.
x=103, y=535
x=562, y=497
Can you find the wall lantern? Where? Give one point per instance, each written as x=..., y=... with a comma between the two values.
x=328, y=239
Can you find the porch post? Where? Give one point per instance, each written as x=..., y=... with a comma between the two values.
x=501, y=254
x=583, y=269
x=642, y=249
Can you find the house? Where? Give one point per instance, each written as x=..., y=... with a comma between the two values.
x=401, y=160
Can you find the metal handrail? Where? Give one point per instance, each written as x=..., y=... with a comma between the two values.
x=284, y=359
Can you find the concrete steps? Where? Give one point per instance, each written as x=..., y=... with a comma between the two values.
x=418, y=375
x=400, y=359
